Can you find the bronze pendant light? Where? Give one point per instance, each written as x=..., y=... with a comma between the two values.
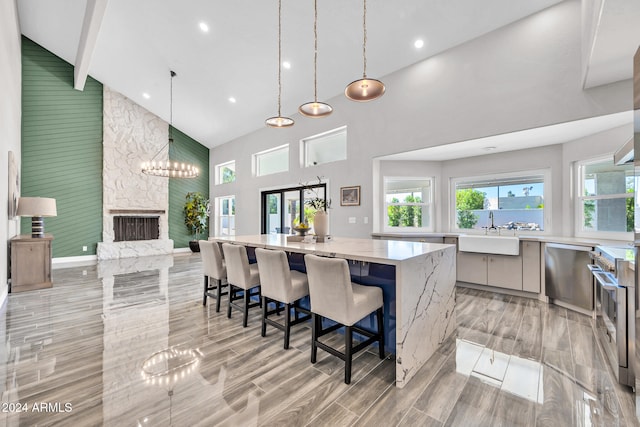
x=364, y=89
x=315, y=109
x=279, y=121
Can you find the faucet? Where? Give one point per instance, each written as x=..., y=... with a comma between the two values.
x=492, y=227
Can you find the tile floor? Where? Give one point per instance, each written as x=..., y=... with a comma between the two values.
x=92, y=351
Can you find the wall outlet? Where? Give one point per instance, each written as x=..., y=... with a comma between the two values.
x=352, y=220
x=84, y=249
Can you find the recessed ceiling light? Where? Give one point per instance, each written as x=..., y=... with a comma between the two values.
x=286, y=64
x=489, y=148
x=146, y=95
x=232, y=100
x=418, y=43
x=204, y=27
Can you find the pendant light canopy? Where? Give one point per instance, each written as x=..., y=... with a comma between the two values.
x=315, y=109
x=364, y=89
x=279, y=121
x=172, y=168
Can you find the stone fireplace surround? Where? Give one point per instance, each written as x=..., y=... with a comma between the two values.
x=131, y=135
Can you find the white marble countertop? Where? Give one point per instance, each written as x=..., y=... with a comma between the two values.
x=381, y=251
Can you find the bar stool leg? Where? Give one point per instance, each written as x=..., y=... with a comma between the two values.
x=381, y=332
x=287, y=325
x=347, y=354
x=265, y=302
x=206, y=286
x=245, y=314
x=218, y=294
x=314, y=337
x=232, y=294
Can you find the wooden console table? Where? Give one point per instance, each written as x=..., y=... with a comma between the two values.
x=30, y=262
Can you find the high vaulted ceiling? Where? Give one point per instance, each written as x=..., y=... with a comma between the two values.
x=131, y=45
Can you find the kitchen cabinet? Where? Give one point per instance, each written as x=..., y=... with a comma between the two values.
x=30, y=263
x=505, y=271
x=518, y=272
x=531, y=267
x=472, y=268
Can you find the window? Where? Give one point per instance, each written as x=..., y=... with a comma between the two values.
x=326, y=147
x=225, y=216
x=505, y=201
x=271, y=161
x=604, y=199
x=408, y=204
x=226, y=172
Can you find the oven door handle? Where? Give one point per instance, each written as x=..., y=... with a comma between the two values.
x=594, y=267
x=611, y=284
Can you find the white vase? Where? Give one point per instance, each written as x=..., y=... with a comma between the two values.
x=321, y=223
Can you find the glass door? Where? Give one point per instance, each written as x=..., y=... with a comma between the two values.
x=273, y=214
x=284, y=209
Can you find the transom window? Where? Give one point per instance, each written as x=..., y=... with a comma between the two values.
x=226, y=172
x=326, y=147
x=271, y=161
x=504, y=201
x=408, y=204
x=605, y=205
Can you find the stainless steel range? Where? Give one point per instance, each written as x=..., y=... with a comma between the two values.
x=615, y=291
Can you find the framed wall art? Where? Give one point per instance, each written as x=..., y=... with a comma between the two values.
x=350, y=196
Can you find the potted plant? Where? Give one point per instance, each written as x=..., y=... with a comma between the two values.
x=196, y=215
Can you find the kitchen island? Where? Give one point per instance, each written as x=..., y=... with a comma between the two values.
x=418, y=287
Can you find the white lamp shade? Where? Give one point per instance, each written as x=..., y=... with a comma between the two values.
x=37, y=206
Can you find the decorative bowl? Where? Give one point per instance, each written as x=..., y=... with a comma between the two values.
x=302, y=230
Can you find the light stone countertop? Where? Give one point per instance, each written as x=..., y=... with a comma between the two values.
x=392, y=252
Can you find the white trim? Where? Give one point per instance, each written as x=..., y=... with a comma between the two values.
x=4, y=298
x=218, y=167
x=428, y=205
x=255, y=163
x=73, y=261
x=181, y=250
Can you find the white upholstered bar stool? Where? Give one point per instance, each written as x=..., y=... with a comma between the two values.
x=242, y=277
x=281, y=285
x=335, y=297
x=214, y=270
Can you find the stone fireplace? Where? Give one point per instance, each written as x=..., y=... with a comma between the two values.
x=132, y=135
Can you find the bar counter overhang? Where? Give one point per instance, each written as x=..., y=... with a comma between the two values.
x=424, y=283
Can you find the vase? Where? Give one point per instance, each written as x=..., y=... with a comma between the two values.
x=321, y=223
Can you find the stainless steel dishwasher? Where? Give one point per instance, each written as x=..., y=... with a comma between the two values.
x=566, y=277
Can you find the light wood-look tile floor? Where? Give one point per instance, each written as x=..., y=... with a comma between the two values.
x=74, y=355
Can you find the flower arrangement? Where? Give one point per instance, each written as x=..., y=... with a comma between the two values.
x=318, y=203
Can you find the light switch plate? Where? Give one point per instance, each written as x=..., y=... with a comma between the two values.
x=352, y=220
x=365, y=220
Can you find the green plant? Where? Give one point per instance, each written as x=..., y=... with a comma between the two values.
x=316, y=202
x=468, y=199
x=196, y=213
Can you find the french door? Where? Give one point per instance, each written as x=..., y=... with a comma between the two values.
x=285, y=208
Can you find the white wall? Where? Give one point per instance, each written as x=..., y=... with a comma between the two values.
x=522, y=76
x=10, y=124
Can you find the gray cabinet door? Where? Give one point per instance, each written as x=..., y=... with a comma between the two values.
x=472, y=268
x=505, y=271
x=531, y=267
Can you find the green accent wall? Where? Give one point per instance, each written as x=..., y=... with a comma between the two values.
x=189, y=150
x=62, y=149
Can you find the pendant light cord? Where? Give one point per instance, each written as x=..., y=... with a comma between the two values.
x=315, y=50
x=279, y=55
x=364, y=41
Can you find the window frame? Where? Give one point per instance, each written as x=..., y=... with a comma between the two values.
x=304, y=142
x=256, y=163
x=218, y=215
x=546, y=195
x=218, y=169
x=579, y=188
x=430, y=206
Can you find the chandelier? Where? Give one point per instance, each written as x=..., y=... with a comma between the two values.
x=170, y=168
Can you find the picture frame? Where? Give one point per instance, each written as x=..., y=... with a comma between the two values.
x=350, y=196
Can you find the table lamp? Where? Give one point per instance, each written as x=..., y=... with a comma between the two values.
x=37, y=208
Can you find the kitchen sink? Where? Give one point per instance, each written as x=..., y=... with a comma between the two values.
x=500, y=245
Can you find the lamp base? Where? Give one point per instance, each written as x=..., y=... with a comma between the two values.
x=37, y=227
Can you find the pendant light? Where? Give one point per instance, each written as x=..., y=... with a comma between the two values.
x=315, y=109
x=279, y=121
x=364, y=89
x=172, y=168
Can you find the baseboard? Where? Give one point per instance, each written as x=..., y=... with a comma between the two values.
x=181, y=250
x=73, y=261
